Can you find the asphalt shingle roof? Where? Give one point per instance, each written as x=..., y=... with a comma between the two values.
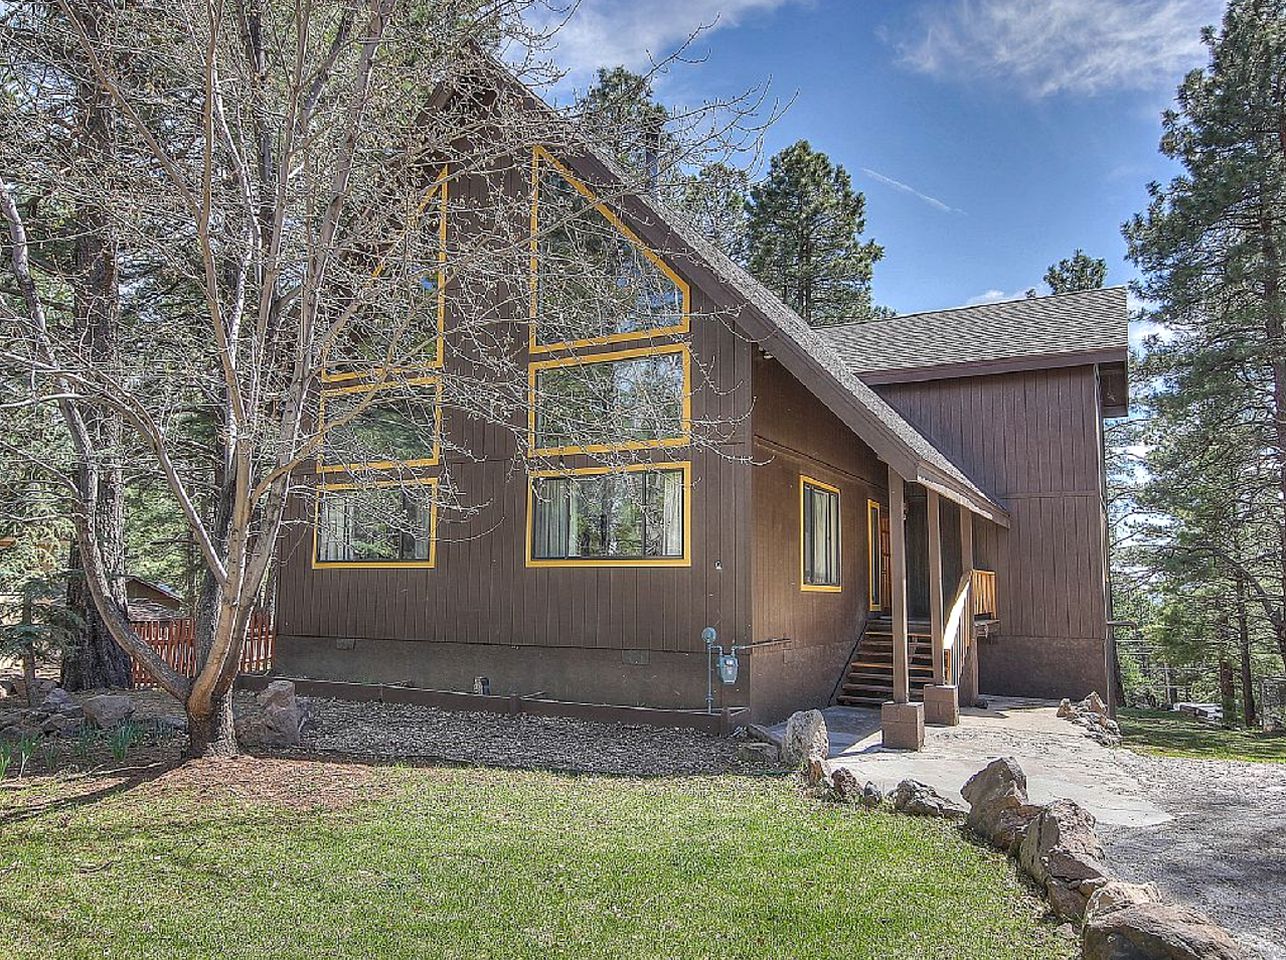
x=1071, y=323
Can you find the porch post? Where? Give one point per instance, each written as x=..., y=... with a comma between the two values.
x=941, y=699
x=935, y=588
x=901, y=721
x=968, y=682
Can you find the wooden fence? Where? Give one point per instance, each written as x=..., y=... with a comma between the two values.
x=175, y=641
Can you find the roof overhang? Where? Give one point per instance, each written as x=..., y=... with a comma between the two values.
x=987, y=368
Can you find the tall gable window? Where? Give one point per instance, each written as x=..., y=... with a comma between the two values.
x=593, y=280
x=596, y=516
x=628, y=400
x=402, y=328
x=819, y=535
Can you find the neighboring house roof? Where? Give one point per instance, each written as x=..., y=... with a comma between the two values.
x=1067, y=329
x=797, y=346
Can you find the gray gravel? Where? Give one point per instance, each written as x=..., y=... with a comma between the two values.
x=1225, y=850
x=402, y=731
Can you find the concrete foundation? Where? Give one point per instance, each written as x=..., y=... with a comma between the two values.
x=902, y=726
x=942, y=706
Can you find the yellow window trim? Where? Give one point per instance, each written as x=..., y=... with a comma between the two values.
x=438, y=190
x=683, y=561
x=683, y=439
x=380, y=564
x=540, y=155
x=429, y=461
x=872, y=544
x=805, y=482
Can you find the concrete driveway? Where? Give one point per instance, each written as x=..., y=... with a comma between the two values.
x=1210, y=833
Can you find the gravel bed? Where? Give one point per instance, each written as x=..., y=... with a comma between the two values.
x=1225, y=850
x=402, y=731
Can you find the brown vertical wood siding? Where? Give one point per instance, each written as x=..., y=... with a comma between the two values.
x=794, y=434
x=481, y=600
x=1032, y=439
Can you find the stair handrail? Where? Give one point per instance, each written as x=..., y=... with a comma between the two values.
x=958, y=631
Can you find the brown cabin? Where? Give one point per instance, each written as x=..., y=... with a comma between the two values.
x=892, y=506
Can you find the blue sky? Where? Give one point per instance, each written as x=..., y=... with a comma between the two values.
x=991, y=137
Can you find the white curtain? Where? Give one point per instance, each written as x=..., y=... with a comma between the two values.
x=552, y=518
x=335, y=533
x=672, y=514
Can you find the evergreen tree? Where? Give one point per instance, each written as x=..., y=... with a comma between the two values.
x=1077, y=272
x=804, y=232
x=1210, y=249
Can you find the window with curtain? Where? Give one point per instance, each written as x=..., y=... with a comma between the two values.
x=593, y=280
x=384, y=524
x=634, y=515
x=820, y=521
x=611, y=402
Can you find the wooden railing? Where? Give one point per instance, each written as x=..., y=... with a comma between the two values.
x=175, y=641
x=984, y=594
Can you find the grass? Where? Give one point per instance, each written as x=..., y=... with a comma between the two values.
x=1172, y=734
x=475, y=863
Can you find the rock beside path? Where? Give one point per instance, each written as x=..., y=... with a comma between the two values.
x=806, y=737
x=998, y=807
x=920, y=800
x=1156, y=931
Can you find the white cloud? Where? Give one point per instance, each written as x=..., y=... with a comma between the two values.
x=604, y=33
x=995, y=296
x=907, y=188
x=1046, y=47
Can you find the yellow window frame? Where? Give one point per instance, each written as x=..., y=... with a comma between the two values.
x=428, y=564
x=682, y=439
x=805, y=482
x=872, y=551
x=683, y=561
x=540, y=155
x=435, y=455
x=438, y=190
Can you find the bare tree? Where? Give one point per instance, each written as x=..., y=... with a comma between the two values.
x=279, y=178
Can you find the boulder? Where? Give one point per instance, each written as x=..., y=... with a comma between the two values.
x=1065, y=709
x=62, y=703
x=107, y=711
x=1060, y=844
x=61, y=725
x=1116, y=894
x=1094, y=704
x=279, y=715
x=805, y=737
x=872, y=796
x=1155, y=931
x=756, y=751
x=814, y=771
x=998, y=807
x=920, y=800
x=846, y=787
x=1066, y=899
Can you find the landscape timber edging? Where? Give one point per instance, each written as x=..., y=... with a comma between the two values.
x=720, y=724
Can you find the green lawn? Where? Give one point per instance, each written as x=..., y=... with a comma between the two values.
x=1170, y=734
x=472, y=863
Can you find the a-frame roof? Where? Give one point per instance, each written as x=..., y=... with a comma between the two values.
x=765, y=319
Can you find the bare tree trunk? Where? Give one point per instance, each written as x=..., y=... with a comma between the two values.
x=211, y=733
x=95, y=659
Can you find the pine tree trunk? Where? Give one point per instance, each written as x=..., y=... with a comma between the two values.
x=1227, y=691
x=1243, y=643
x=95, y=660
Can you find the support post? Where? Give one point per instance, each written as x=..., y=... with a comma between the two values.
x=935, y=589
x=897, y=578
x=901, y=721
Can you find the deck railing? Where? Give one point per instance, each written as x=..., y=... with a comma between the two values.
x=175, y=641
x=984, y=594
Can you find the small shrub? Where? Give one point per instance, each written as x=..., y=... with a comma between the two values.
x=85, y=740
x=6, y=758
x=124, y=737
x=26, y=747
x=49, y=754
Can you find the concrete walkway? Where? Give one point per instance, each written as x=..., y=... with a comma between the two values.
x=1058, y=759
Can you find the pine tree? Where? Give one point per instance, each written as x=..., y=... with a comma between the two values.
x=1075, y=273
x=804, y=233
x=1210, y=249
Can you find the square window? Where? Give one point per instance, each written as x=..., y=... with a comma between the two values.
x=382, y=525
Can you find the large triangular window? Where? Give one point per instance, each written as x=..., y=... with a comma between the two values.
x=593, y=280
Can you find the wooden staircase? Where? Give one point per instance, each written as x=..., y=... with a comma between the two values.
x=869, y=680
